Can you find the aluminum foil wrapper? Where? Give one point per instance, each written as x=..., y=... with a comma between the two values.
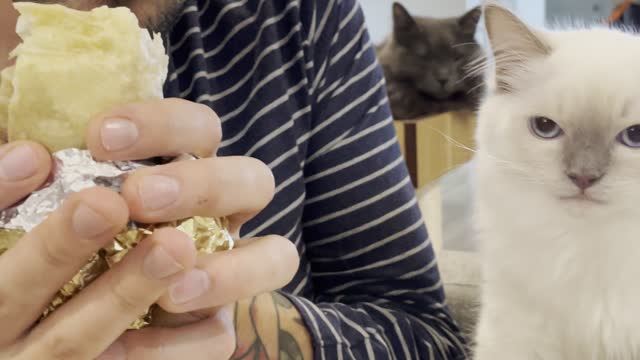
x=76, y=170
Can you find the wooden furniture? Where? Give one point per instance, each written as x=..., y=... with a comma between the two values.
x=434, y=145
x=429, y=147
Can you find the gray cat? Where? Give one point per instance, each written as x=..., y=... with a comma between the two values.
x=425, y=62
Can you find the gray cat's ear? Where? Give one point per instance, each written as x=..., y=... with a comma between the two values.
x=469, y=21
x=512, y=42
x=402, y=20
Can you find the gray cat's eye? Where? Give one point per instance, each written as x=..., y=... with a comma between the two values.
x=544, y=128
x=630, y=136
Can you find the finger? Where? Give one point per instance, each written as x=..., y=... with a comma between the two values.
x=237, y=186
x=212, y=338
x=265, y=264
x=162, y=318
x=116, y=299
x=46, y=258
x=166, y=127
x=24, y=166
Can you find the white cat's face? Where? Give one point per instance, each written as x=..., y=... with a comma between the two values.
x=563, y=121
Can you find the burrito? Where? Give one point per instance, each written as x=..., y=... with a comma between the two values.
x=70, y=67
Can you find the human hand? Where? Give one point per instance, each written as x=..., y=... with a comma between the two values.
x=40, y=263
x=197, y=319
x=164, y=268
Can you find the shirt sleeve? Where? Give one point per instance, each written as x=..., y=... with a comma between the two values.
x=378, y=293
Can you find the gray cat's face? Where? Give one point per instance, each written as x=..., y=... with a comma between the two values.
x=434, y=53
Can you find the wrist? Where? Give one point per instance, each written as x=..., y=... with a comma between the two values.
x=270, y=326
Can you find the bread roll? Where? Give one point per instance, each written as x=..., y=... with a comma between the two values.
x=72, y=65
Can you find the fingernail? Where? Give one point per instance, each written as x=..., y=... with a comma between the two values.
x=88, y=223
x=159, y=264
x=114, y=352
x=18, y=164
x=158, y=192
x=118, y=134
x=190, y=287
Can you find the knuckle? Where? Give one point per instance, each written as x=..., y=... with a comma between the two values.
x=261, y=178
x=284, y=259
x=214, y=130
x=55, y=254
x=167, y=305
x=291, y=257
x=220, y=281
x=62, y=347
x=226, y=286
x=127, y=301
x=208, y=148
x=209, y=113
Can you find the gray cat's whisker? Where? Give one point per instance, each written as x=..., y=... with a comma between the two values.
x=464, y=44
x=475, y=88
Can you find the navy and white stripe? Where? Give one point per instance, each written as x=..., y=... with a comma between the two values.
x=297, y=85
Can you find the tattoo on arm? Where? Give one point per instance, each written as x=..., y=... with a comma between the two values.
x=269, y=327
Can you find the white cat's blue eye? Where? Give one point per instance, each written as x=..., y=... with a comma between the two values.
x=544, y=127
x=630, y=136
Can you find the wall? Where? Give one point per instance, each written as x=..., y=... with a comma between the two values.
x=586, y=10
x=378, y=12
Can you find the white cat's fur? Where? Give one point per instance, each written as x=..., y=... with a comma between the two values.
x=561, y=277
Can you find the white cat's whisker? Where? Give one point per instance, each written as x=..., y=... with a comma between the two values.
x=520, y=170
x=460, y=145
x=483, y=63
x=452, y=140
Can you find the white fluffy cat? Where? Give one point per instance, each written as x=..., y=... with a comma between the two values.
x=557, y=194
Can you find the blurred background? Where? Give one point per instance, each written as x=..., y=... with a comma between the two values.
x=435, y=144
x=536, y=12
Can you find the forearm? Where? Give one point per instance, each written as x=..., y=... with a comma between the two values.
x=270, y=327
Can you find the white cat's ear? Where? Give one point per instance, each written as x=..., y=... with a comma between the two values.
x=512, y=42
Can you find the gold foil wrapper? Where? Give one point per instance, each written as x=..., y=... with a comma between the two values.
x=209, y=234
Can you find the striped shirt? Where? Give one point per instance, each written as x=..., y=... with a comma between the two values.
x=296, y=84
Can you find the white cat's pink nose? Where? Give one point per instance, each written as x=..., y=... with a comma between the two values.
x=584, y=181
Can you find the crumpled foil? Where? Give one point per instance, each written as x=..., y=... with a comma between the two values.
x=76, y=170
